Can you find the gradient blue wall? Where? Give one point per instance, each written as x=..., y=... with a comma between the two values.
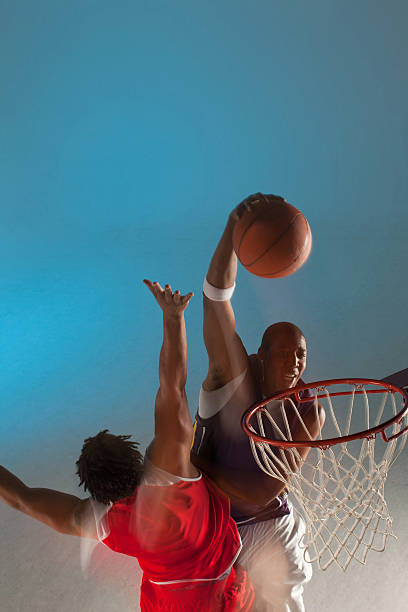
x=128, y=132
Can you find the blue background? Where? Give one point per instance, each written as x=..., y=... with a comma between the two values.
x=128, y=132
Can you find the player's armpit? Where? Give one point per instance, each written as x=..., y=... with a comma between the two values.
x=84, y=520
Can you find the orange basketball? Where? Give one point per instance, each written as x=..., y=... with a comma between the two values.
x=273, y=239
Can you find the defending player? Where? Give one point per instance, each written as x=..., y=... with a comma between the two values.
x=162, y=511
x=269, y=529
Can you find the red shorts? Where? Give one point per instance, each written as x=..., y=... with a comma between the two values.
x=234, y=593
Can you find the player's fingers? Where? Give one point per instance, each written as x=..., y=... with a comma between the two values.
x=168, y=294
x=239, y=210
x=253, y=200
x=254, y=196
x=158, y=288
x=247, y=204
x=186, y=298
x=274, y=197
x=151, y=286
x=177, y=297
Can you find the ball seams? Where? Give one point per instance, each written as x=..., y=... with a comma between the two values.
x=273, y=244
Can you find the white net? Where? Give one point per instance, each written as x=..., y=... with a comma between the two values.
x=340, y=488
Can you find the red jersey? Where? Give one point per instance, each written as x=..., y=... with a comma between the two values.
x=186, y=543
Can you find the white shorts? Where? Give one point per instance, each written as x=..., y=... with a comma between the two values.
x=275, y=562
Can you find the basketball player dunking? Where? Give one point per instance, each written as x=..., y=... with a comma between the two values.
x=268, y=526
x=162, y=510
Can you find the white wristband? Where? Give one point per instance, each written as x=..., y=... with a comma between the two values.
x=217, y=295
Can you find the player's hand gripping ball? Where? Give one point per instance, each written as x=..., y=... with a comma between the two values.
x=271, y=237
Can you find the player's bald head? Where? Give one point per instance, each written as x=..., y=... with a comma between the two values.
x=279, y=331
x=282, y=356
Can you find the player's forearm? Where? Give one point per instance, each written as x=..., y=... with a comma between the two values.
x=222, y=271
x=12, y=489
x=173, y=354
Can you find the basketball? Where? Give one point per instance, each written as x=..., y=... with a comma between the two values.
x=273, y=239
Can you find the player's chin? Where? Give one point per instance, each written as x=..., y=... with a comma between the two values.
x=287, y=382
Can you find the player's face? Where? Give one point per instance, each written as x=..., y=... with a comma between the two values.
x=284, y=362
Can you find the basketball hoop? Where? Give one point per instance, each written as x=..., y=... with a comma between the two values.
x=340, y=486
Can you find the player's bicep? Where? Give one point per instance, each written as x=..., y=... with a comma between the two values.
x=227, y=356
x=60, y=511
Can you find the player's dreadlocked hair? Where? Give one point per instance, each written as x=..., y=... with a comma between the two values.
x=110, y=467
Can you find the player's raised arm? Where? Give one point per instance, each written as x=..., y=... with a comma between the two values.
x=170, y=449
x=62, y=512
x=226, y=354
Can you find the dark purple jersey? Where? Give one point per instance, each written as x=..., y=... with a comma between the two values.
x=220, y=440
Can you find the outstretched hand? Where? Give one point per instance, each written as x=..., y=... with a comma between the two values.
x=170, y=302
x=251, y=203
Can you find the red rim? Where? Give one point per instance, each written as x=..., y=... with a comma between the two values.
x=368, y=433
